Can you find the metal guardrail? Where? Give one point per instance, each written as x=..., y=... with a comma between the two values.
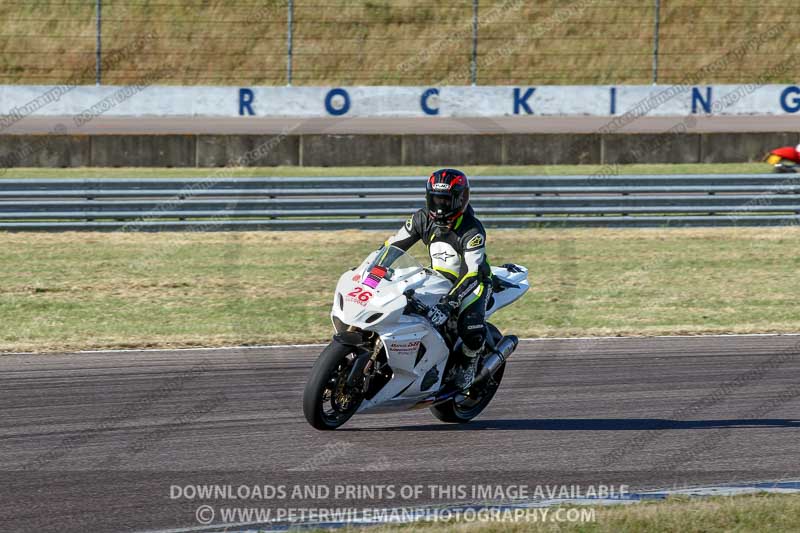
x=211, y=204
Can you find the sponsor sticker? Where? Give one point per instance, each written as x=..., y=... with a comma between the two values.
x=404, y=347
x=375, y=276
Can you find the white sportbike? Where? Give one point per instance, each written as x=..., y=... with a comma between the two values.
x=386, y=354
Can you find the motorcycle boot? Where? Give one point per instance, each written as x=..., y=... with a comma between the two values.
x=464, y=372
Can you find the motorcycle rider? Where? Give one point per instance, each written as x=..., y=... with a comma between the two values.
x=785, y=159
x=456, y=243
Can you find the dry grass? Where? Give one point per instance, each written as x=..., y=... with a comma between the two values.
x=376, y=42
x=484, y=170
x=740, y=514
x=88, y=290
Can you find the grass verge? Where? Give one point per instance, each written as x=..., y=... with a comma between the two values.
x=750, y=513
x=380, y=42
x=585, y=170
x=92, y=290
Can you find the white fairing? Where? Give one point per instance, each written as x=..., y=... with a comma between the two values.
x=381, y=310
x=511, y=294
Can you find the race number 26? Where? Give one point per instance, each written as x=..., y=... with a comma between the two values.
x=361, y=294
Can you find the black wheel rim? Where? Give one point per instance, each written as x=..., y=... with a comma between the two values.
x=339, y=401
x=475, y=401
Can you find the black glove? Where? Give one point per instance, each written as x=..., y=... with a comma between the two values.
x=438, y=315
x=442, y=311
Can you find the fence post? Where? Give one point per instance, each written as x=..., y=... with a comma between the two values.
x=655, y=41
x=289, y=42
x=474, y=63
x=98, y=59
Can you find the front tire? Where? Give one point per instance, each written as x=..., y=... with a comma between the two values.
x=327, y=401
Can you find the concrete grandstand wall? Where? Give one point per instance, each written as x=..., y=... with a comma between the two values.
x=383, y=150
x=78, y=111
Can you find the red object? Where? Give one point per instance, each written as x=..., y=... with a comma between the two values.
x=787, y=152
x=378, y=271
x=458, y=180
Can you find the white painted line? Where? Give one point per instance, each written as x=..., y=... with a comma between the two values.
x=213, y=528
x=622, y=337
x=221, y=348
x=198, y=349
x=320, y=345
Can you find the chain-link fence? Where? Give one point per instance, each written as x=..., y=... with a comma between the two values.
x=398, y=42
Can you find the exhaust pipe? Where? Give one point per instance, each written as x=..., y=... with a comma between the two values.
x=493, y=361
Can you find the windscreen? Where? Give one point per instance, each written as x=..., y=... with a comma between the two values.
x=390, y=264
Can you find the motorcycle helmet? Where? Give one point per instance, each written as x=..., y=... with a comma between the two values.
x=446, y=196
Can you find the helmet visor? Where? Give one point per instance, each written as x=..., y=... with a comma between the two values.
x=441, y=202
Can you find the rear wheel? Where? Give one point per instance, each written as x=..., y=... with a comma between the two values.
x=327, y=400
x=464, y=408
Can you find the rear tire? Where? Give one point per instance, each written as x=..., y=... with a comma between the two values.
x=462, y=412
x=326, y=388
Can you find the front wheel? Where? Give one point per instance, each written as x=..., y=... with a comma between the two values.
x=468, y=407
x=327, y=400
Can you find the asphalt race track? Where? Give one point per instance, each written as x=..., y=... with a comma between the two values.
x=99, y=441
x=399, y=125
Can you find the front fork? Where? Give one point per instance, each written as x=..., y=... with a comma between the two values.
x=367, y=350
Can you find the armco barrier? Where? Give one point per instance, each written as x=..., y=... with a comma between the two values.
x=217, y=204
x=210, y=204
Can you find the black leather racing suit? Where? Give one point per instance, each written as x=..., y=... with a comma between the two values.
x=460, y=255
